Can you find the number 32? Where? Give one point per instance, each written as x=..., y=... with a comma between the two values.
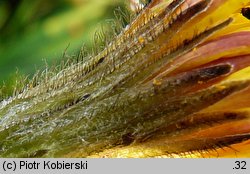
x=240, y=165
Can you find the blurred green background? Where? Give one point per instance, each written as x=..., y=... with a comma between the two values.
x=33, y=32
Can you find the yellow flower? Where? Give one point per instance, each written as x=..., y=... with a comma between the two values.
x=173, y=83
x=222, y=128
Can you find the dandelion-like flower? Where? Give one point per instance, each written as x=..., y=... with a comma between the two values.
x=174, y=82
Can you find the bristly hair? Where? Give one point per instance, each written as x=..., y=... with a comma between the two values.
x=120, y=93
x=102, y=39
